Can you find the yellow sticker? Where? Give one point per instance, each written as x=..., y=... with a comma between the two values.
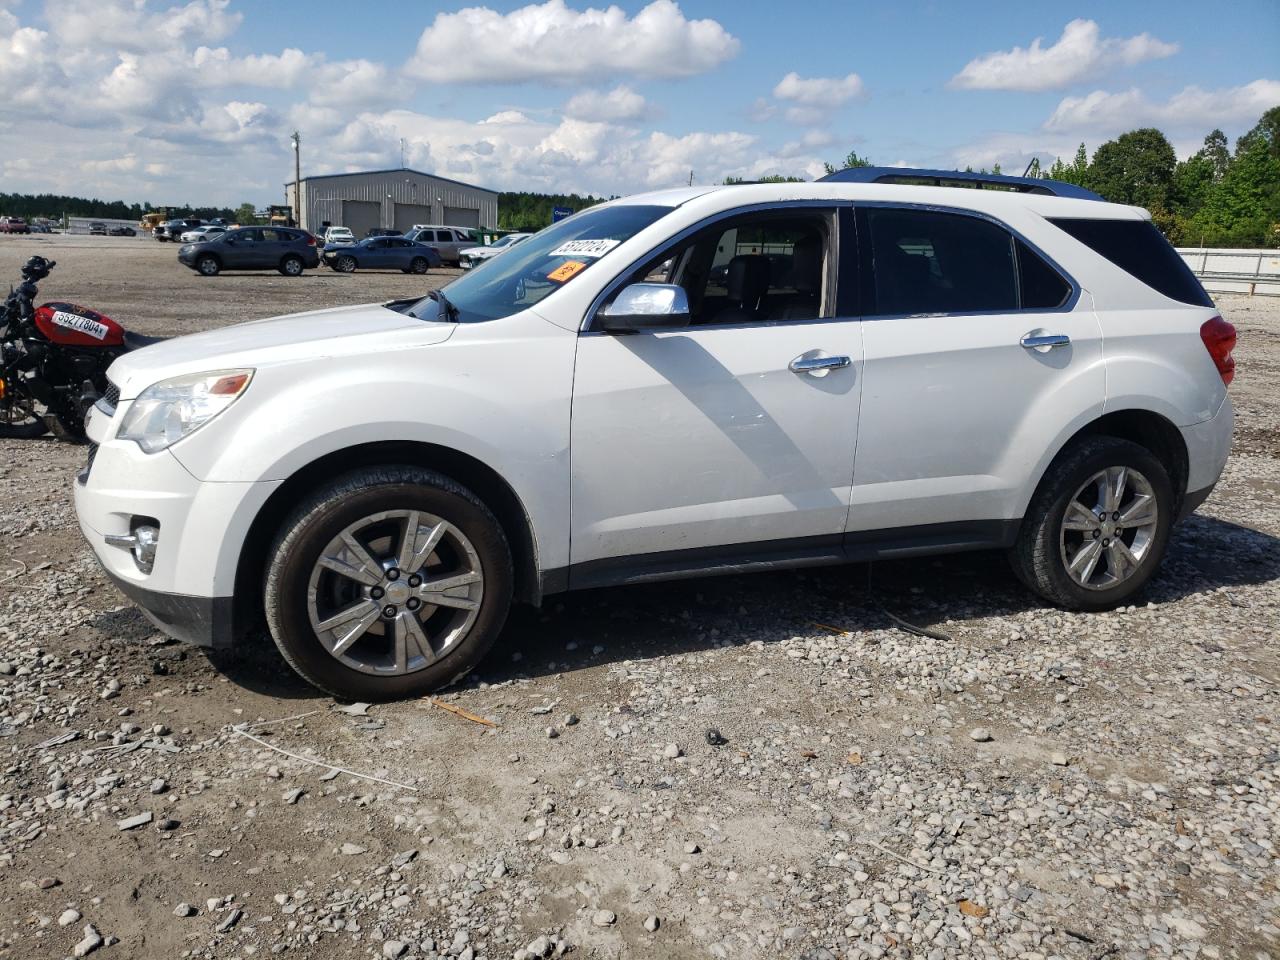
x=565, y=271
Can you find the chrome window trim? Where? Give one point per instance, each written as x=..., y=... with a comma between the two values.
x=619, y=279
x=1067, y=306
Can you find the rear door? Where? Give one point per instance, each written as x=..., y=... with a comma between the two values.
x=979, y=351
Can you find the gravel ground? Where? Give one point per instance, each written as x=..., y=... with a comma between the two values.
x=740, y=767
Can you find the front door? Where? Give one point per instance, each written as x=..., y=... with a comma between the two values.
x=978, y=353
x=730, y=441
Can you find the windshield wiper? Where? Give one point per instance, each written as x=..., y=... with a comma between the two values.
x=448, y=311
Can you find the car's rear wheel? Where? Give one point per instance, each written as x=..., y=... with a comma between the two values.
x=1097, y=527
x=419, y=265
x=208, y=266
x=389, y=582
x=345, y=264
x=291, y=266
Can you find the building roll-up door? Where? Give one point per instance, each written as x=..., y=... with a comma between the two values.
x=361, y=216
x=461, y=217
x=407, y=214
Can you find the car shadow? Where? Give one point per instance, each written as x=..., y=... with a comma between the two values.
x=593, y=628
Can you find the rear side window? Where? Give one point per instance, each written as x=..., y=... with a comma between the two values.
x=1139, y=249
x=1042, y=287
x=929, y=262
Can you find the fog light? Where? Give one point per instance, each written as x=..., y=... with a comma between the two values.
x=141, y=543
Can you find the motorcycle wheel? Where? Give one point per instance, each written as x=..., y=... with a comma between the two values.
x=19, y=420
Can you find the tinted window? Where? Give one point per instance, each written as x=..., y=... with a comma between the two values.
x=928, y=262
x=244, y=235
x=1139, y=249
x=1041, y=286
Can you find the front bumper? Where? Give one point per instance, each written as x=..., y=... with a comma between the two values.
x=203, y=526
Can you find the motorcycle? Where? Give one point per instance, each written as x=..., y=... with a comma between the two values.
x=54, y=360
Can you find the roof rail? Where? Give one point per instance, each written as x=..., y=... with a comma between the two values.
x=959, y=178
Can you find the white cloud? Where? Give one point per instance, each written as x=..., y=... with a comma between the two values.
x=552, y=42
x=130, y=24
x=619, y=105
x=809, y=101
x=825, y=92
x=1194, y=109
x=1079, y=54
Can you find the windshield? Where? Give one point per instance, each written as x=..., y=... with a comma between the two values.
x=545, y=262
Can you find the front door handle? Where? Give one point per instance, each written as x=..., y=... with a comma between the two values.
x=1044, y=341
x=818, y=366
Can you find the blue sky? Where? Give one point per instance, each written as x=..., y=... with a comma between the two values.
x=193, y=100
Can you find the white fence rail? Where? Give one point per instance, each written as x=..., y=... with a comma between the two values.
x=1224, y=270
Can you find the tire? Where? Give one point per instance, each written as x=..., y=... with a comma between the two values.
x=1126, y=558
x=291, y=266
x=419, y=265
x=21, y=424
x=374, y=505
x=208, y=265
x=345, y=264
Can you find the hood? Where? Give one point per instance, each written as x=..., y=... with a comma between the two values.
x=298, y=337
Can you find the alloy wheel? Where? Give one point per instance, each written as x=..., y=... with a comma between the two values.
x=394, y=592
x=1109, y=528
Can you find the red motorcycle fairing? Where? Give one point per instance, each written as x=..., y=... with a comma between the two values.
x=71, y=325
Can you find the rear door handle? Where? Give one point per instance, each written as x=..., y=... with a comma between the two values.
x=1045, y=341
x=817, y=365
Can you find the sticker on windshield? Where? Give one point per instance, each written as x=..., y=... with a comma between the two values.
x=584, y=248
x=566, y=270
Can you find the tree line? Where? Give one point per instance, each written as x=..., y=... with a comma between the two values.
x=55, y=206
x=529, y=212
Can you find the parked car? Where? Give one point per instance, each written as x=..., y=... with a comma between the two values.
x=253, y=248
x=381, y=253
x=928, y=375
x=14, y=225
x=201, y=234
x=383, y=232
x=172, y=230
x=333, y=236
x=449, y=241
x=97, y=229
x=40, y=228
x=122, y=232
x=468, y=257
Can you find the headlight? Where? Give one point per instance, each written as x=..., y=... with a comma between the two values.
x=167, y=411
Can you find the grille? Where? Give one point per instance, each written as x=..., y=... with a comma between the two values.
x=111, y=396
x=83, y=476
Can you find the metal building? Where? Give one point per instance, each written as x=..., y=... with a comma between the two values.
x=391, y=198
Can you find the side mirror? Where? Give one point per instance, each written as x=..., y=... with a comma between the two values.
x=645, y=306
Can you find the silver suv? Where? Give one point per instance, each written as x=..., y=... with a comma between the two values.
x=449, y=241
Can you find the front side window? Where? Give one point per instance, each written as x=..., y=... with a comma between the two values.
x=758, y=268
x=545, y=262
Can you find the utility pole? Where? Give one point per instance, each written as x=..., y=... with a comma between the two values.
x=691, y=178
x=297, y=178
x=402, y=153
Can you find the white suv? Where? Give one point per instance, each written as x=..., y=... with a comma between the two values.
x=702, y=380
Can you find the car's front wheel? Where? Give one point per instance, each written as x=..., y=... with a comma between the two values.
x=208, y=266
x=1097, y=527
x=345, y=264
x=389, y=582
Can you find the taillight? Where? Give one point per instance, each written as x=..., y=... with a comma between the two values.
x=1220, y=339
x=311, y=240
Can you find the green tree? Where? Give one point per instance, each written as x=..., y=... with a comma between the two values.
x=851, y=161
x=768, y=178
x=1136, y=167
x=1215, y=150
x=246, y=213
x=1266, y=132
x=1244, y=209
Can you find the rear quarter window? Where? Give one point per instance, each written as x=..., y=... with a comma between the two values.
x=1140, y=250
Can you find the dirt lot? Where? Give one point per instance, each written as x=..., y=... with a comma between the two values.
x=705, y=769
